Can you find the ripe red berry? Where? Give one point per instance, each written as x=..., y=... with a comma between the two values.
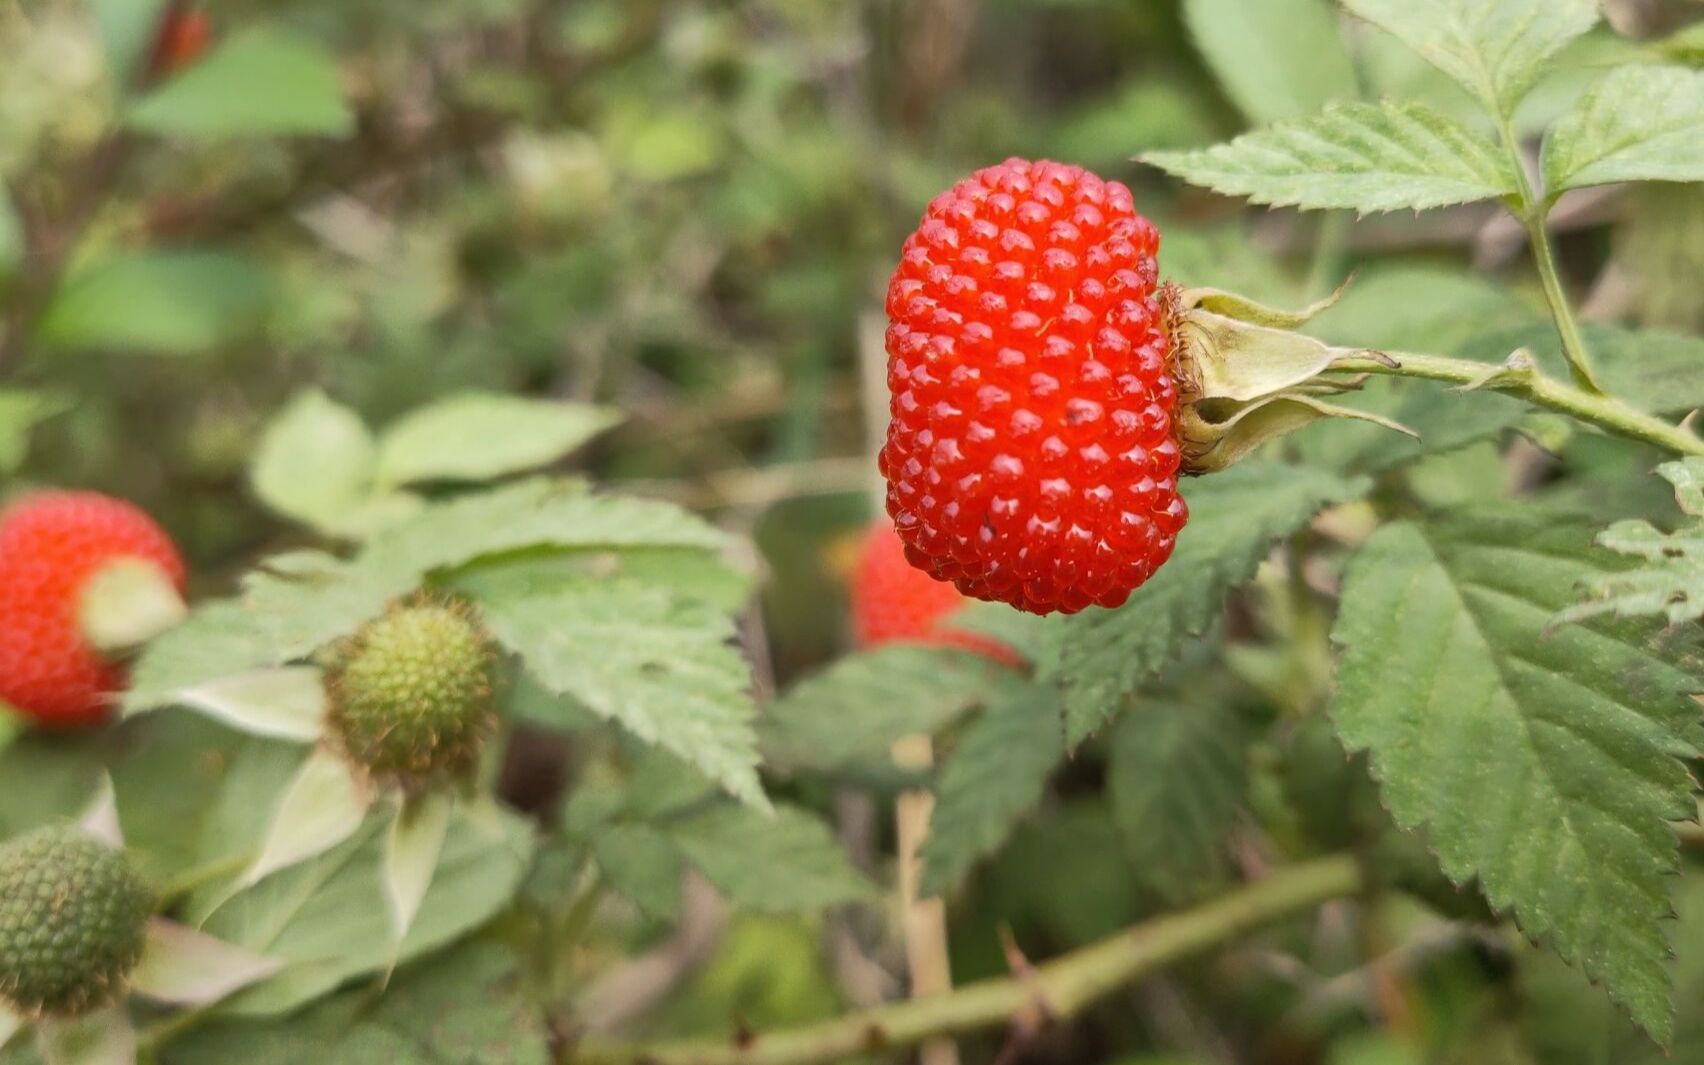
x=1031, y=456
x=51, y=543
x=894, y=601
x=183, y=35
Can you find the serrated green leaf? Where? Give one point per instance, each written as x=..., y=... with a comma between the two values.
x=1493, y=48
x=783, y=862
x=1638, y=123
x=1176, y=776
x=1544, y=764
x=160, y=302
x=994, y=776
x=1234, y=517
x=258, y=85
x=467, y=1007
x=1369, y=157
x=21, y=410
x=1276, y=59
x=643, y=863
x=662, y=666
x=477, y=437
x=1671, y=581
x=329, y=920
x=859, y=706
x=315, y=462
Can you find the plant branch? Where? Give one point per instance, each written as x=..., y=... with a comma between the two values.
x=1060, y=988
x=1528, y=383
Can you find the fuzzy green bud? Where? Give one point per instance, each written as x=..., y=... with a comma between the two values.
x=73, y=919
x=411, y=700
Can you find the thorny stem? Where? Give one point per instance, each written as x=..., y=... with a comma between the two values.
x=1593, y=408
x=1057, y=989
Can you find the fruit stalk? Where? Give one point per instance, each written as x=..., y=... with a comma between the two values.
x=1059, y=989
x=1524, y=381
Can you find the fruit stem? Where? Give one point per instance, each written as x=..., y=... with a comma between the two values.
x=1593, y=408
x=1053, y=990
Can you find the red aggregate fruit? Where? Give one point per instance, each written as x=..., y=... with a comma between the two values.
x=1031, y=455
x=51, y=543
x=895, y=602
x=183, y=36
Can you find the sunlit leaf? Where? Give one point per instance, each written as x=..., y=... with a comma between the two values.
x=476, y=437
x=259, y=85
x=1276, y=59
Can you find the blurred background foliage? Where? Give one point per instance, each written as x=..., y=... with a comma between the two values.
x=686, y=209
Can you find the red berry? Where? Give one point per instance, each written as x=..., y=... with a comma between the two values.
x=184, y=34
x=894, y=601
x=1030, y=458
x=50, y=544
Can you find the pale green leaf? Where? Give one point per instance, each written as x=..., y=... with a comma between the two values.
x=412, y=848
x=161, y=302
x=257, y=85
x=321, y=808
x=1276, y=59
x=314, y=462
x=104, y=1037
x=781, y=862
x=469, y=1006
x=664, y=667
x=1176, y=776
x=859, y=706
x=476, y=437
x=328, y=917
x=1544, y=764
x=127, y=29
x=1638, y=123
x=185, y=967
x=994, y=776
x=1234, y=517
x=1369, y=157
x=1671, y=580
x=1493, y=48
x=285, y=703
x=21, y=410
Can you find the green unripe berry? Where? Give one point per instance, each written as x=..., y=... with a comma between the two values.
x=411, y=700
x=73, y=918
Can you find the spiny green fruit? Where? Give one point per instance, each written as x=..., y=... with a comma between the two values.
x=73, y=917
x=411, y=700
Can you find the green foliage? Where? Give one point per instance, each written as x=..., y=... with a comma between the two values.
x=467, y=1006
x=1493, y=49
x=773, y=862
x=1544, y=765
x=21, y=410
x=1276, y=59
x=1102, y=655
x=995, y=775
x=1369, y=157
x=1639, y=123
x=166, y=302
x=1176, y=776
x=855, y=710
x=255, y=85
x=478, y=437
x=1671, y=580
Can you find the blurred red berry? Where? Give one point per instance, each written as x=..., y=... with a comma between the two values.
x=51, y=543
x=894, y=601
x=1030, y=458
x=183, y=36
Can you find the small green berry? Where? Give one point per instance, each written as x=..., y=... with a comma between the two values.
x=73, y=918
x=411, y=701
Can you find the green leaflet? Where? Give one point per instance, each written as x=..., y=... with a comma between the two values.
x=1234, y=517
x=993, y=778
x=1671, y=580
x=1544, y=764
x=1369, y=157
x=664, y=667
x=1176, y=776
x=1277, y=59
x=1493, y=48
x=782, y=862
x=1638, y=123
x=859, y=706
